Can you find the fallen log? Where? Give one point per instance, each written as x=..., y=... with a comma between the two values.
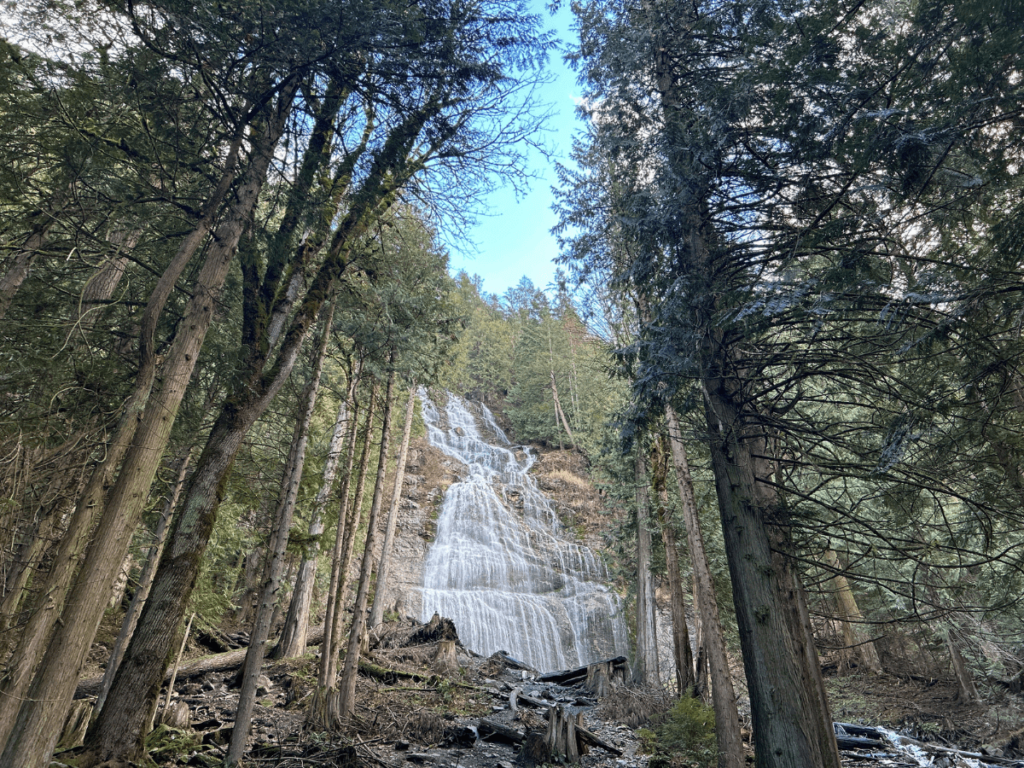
x=530, y=701
x=858, y=742
x=489, y=730
x=579, y=674
x=866, y=731
x=511, y=663
x=389, y=676
x=219, y=662
x=595, y=741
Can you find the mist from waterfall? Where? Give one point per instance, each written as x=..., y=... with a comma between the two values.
x=502, y=566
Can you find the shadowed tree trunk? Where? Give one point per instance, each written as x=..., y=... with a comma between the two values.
x=680, y=632
x=645, y=669
x=326, y=672
x=377, y=612
x=35, y=732
x=792, y=723
x=352, y=521
x=723, y=697
x=279, y=543
x=145, y=582
x=851, y=618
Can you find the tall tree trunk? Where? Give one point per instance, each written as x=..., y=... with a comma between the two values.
x=90, y=502
x=352, y=520
x=145, y=582
x=279, y=543
x=39, y=719
x=645, y=670
x=347, y=688
x=700, y=662
x=377, y=612
x=293, y=637
x=792, y=725
x=850, y=617
x=326, y=672
x=967, y=691
x=727, y=721
x=680, y=632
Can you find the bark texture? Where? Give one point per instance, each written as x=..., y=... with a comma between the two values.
x=145, y=582
x=791, y=721
x=293, y=637
x=279, y=543
x=645, y=668
x=377, y=612
x=34, y=734
x=727, y=721
x=347, y=687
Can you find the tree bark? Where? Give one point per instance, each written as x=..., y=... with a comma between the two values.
x=727, y=721
x=645, y=670
x=377, y=612
x=792, y=725
x=34, y=735
x=145, y=582
x=850, y=617
x=680, y=632
x=293, y=637
x=279, y=543
x=347, y=688
x=21, y=262
x=326, y=673
x=352, y=520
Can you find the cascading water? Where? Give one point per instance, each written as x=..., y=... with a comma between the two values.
x=502, y=566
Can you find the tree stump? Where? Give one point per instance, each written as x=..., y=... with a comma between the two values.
x=77, y=723
x=445, y=661
x=560, y=743
x=176, y=715
x=599, y=678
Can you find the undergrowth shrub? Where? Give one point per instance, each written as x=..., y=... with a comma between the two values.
x=685, y=738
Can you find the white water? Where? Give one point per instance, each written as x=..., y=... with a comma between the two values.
x=502, y=566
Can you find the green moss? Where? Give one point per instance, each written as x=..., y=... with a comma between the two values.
x=165, y=744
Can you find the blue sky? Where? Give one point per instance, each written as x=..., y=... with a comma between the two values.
x=515, y=238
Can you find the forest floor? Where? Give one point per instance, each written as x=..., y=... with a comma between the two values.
x=415, y=717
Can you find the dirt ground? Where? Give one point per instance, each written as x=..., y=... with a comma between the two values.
x=417, y=717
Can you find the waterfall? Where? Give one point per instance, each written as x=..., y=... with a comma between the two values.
x=502, y=566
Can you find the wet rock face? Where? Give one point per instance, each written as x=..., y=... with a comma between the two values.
x=502, y=566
